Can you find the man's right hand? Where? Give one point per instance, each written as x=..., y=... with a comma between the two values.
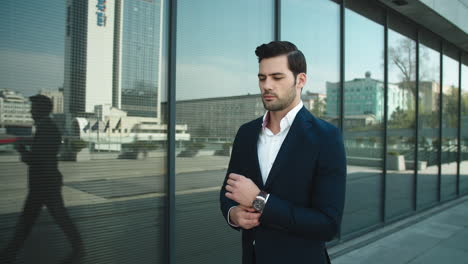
x=244, y=217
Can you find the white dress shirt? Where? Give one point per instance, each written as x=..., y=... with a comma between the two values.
x=269, y=144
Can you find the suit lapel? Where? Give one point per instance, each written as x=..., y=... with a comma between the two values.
x=290, y=144
x=258, y=174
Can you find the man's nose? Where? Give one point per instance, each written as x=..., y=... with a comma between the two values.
x=267, y=84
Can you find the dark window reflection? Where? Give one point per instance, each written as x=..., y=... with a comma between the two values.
x=428, y=145
x=100, y=64
x=217, y=91
x=450, y=95
x=363, y=120
x=321, y=18
x=464, y=128
x=401, y=124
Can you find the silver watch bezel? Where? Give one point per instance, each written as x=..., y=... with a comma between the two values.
x=259, y=203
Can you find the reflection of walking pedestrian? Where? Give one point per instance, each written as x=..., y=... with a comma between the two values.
x=45, y=182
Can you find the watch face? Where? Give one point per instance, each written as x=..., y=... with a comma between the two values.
x=258, y=204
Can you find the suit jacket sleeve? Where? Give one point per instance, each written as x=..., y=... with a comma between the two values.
x=322, y=220
x=234, y=166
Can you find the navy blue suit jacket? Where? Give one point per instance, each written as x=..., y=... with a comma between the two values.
x=306, y=186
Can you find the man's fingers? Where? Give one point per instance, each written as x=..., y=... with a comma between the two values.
x=244, y=218
x=230, y=195
x=234, y=176
x=249, y=209
x=229, y=188
x=252, y=216
x=248, y=222
x=249, y=215
x=230, y=182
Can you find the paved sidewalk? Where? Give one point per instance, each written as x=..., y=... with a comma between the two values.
x=442, y=237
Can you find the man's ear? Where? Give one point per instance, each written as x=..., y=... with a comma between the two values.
x=301, y=80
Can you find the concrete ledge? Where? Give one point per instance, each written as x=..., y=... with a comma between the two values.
x=370, y=237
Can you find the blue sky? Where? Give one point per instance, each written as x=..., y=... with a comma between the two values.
x=31, y=45
x=216, y=42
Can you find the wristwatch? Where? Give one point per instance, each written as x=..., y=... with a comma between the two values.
x=259, y=203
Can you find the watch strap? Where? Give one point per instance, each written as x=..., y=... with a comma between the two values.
x=263, y=194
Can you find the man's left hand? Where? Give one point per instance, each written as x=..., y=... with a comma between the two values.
x=241, y=189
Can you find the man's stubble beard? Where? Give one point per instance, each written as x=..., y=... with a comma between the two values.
x=282, y=103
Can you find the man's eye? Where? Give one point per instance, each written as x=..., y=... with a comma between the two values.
x=261, y=78
x=277, y=78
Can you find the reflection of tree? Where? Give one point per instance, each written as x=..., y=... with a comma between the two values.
x=451, y=107
x=403, y=57
x=402, y=118
x=429, y=119
x=464, y=106
x=319, y=108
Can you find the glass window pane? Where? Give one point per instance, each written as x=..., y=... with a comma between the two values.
x=450, y=95
x=98, y=62
x=217, y=91
x=428, y=145
x=363, y=121
x=323, y=66
x=401, y=124
x=464, y=128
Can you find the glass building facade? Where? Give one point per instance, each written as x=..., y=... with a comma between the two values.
x=140, y=57
x=153, y=92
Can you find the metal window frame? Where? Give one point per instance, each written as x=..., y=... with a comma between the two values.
x=416, y=147
x=277, y=20
x=439, y=154
x=171, y=112
x=460, y=61
x=342, y=77
x=383, y=187
x=342, y=64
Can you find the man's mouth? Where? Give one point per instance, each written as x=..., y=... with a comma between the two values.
x=268, y=97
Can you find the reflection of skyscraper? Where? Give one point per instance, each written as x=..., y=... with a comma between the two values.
x=89, y=44
x=137, y=88
x=112, y=56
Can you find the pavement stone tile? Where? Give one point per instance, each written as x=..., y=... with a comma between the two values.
x=346, y=260
x=436, y=229
x=457, y=241
x=418, y=242
x=440, y=238
x=442, y=254
x=384, y=255
x=454, y=218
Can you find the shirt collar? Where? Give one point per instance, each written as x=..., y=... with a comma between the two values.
x=287, y=120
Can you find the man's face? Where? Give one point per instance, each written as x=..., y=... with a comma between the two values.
x=277, y=84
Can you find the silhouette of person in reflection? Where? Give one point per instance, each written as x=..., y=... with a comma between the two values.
x=44, y=183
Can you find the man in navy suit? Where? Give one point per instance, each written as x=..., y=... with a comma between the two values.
x=285, y=185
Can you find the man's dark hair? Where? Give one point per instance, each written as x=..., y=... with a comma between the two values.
x=296, y=60
x=42, y=104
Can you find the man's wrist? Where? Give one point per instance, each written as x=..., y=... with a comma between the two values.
x=260, y=201
x=229, y=219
